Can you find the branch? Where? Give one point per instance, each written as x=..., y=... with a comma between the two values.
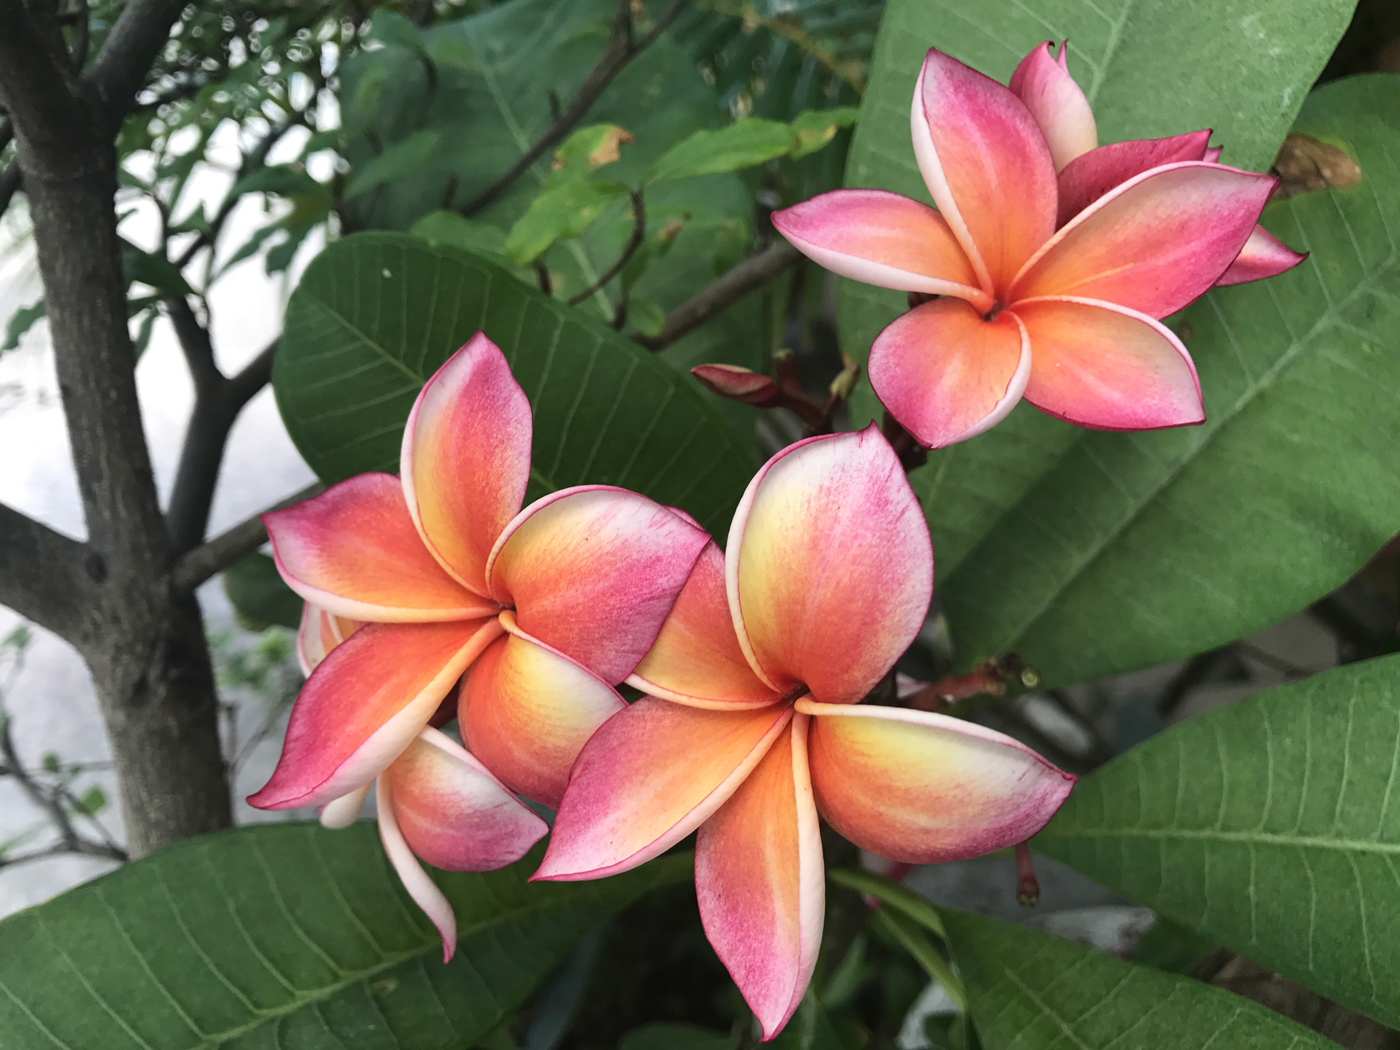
x=45, y=576
x=722, y=293
x=228, y=547
x=620, y=51
x=38, y=91
x=9, y=183
x=639, y=233
x=132, y=46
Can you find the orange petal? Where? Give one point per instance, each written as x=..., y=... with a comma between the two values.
x=987, y=165
x=593, y=571
x=1154, y=243
x=319, y=633
x=829, y=567
x=354, y=552
x=760, y=881
x=421, y=888
x=1103, y=366
x=364, y=704
x=649, y=778
x=453, y=813
x=466, y=458
x=527, y=709
x=882, y=239
x=697, y=659
x=948, y=375
x=924, y=788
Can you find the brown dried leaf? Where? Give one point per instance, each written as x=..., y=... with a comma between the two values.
x=1306, y=165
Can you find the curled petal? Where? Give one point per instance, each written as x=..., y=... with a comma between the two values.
x=697, y=659
x=453, y=813
x=1088, y=177
x=650, y=777
x=1103, y=366
x=948, y=375
x=527, y=709
x=422, y=889
x=593, y=571
x=1153, y=244
x=882, y=239
x=1056, y=102
x=1263, y=255
x=466, y=458
x=829, y=568
x=924, y=788
x=1212, y=154
x=987, y=165
x=343, y=811
x=319, y=633
x=364, y=704
x=760, y=882
x=353, y=551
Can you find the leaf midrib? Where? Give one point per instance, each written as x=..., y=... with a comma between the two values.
x=1249, y=837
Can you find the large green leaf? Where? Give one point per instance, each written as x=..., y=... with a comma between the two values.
x=1032, y=991
x=1091, y=553
x=1270, y=826
x=377, y=313
x=284, y=935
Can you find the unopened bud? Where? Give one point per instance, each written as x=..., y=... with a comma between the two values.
x=1027, y=885
x=739, y=384
x=845, y=380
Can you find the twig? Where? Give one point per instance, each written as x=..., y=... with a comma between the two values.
x=83, y=847
x=228, y=547
x=621, y=50
x=639, y=233
x=722, y=293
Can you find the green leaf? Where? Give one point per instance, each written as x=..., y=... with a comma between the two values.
x=1091, y=553
x=743, y=144
x=817, y=127
x=470, y=235
x=283, y=180
x=810, y=1028
x=258, y=594
x=1269, y=826
x=155, y=270
x=92, y=801
x=142, y=338
x=21, y=321
x=376, y=314
x=287, y=935
x=1030, y=989
x=668, y=1035
x=588, y=148
x=400, y=159
x=560, y=213
x=646, y=317
x=1170, y=946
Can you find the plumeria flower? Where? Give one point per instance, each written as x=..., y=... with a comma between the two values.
x=434, y=801
x=753, y=726
x=542, y=610
x=1068, y=316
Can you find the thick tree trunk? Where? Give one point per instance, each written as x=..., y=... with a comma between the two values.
x=144, y=645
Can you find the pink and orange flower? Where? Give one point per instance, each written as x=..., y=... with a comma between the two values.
x=538, y=612
x=1052, y=259
x=753, y=724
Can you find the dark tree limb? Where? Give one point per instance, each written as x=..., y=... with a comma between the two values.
x=120, y=68
x=223, y=550
x=722, y=293
x=621, y=50
x=45, y=576
x=639, y=234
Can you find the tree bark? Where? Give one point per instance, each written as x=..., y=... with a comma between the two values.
x=143, y=643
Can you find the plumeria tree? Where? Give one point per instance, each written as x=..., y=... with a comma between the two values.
x=616, y=597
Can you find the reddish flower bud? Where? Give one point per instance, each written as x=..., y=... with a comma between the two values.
x=739, y=384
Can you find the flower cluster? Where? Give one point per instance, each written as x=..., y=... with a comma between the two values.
x=433, y=596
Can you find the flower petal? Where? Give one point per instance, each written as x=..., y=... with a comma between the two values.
x=924, y=788
x=1263, y=255
x=593, y=571
x=453, y=813
x=343, y=811
x=948, y=375
x=829, y=568
x=1088, y=177
x=1057, y=103
x=527, y=709
x=319, y=633
x=1153, y=244
x=697, y=659
x=1103, y=366
x=354, y=552
x=364, y=704
x=882, y=239
x=422, y=889
x=466, y=458
x=760, y=881
x=649, y=778
x=987, y=165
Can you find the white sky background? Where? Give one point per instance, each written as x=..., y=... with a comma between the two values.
x=52, y=702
